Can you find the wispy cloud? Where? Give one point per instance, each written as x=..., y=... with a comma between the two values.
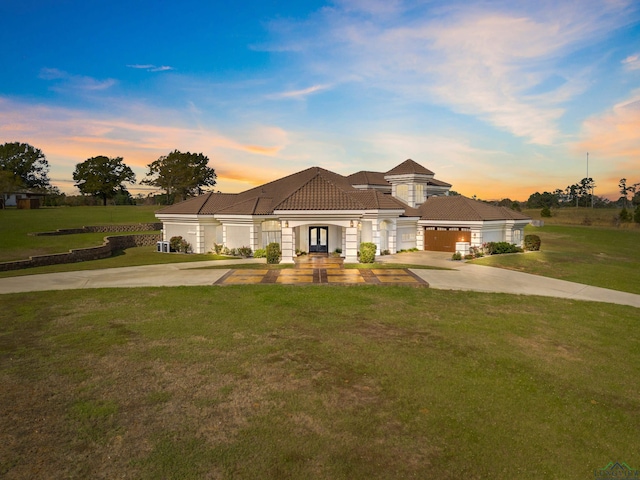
x=151, y=68
x=632, y=62
x=67, y=81
x=489, y=61
x=299, y=94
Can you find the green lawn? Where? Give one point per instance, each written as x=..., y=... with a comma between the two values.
x=602, y=257
x=15, y=226
x=314, y=382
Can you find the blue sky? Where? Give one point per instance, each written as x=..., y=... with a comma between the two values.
x=501, y=99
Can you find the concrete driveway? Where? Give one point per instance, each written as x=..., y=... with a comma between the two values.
x=462, y=276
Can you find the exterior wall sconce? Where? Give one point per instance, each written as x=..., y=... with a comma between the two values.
x=351, y=224
x=286, y=224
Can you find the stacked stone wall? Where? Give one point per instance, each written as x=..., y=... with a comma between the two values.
x=134, y=227
x=111, y=244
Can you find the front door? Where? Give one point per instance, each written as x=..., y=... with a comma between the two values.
x=318, y=239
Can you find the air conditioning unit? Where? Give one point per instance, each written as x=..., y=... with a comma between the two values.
x=163, y=247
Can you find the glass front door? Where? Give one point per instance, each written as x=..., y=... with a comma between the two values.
x=318, y=239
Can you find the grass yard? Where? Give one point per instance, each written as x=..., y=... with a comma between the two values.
x=314, y=382
x=602, y=257
x=15, y=226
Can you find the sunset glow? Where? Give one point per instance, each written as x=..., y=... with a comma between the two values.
x=500, y=99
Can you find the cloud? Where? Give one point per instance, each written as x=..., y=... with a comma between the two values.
x=151, y=68
x=69, y=136
x=298, y=94
x=69, y=82
x=632, y=62
x=612, y=140
x=490, y=61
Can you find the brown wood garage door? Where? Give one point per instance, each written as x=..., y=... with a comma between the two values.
x=443, y=240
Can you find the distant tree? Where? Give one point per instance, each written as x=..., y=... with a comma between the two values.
x=181, y=174
x=625, y=215
x=24, y=166
x=636, y=215
x=540, y=200
x=545, y=212
x=624, y=191
x=103, y=177
x=452, y=193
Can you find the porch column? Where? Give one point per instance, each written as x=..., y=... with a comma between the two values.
x=199, y=246
x=420, y=237
x=253, y=237
x=288, y=251
x=351, y=244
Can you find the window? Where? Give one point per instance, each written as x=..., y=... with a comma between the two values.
x=420, y=192
x=402, y=192
x=271, y=232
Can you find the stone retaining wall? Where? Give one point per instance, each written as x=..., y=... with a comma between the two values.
x=111, y=244
x=134, y=227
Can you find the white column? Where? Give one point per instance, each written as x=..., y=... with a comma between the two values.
x=288, y=251
x=199, y=246
x=392, y=237
x=351, y=244
x=420, y=237
x=224, y=235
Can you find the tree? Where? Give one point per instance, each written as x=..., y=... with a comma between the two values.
x=181, y=174
x=624, y=191
x=27, y=166
x=103, y=177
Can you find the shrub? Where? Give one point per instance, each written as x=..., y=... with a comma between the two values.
x=476, y=252
x=545, y=212
x=338, y=251
x=636, y=215
x=456, y=256
x=532, y=243
x=244, y=252
x=497, y=248
x=273, y=253
x=625, y=215
x=260, y=253
x=367, y=252
x=179, y=244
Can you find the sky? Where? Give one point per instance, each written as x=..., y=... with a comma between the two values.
x=499, y=98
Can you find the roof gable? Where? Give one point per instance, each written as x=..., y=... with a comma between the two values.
x=409, y=167
x=320, y=193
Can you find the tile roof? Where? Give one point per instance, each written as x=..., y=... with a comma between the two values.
x=408, y=167
x=312, y=189
x=368, y=178
x=462, y=208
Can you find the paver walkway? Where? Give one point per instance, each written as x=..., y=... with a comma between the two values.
x=321, y=269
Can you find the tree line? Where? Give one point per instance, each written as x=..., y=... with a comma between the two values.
x=180, y=175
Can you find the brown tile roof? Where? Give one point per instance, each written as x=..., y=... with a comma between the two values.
x=368, y=178
x=408, y=167
x=463, y=208
x=438, y=183
x=311, y=189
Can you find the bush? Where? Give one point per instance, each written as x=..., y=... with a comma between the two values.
x=532, y=243
x=636, y=215
x=260, y=253
x=456, y=256
x=367, y=252
x=244, y=252
x=273, y=253
x=179, y=244
x=625, y=215
x=497, y=248
x=545, y=212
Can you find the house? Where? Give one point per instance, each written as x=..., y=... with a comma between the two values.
x=317, y=210
x=22, y=200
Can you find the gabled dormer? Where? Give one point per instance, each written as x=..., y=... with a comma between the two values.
x=413, y=184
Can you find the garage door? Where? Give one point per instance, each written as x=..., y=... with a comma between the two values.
x=444, y=240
